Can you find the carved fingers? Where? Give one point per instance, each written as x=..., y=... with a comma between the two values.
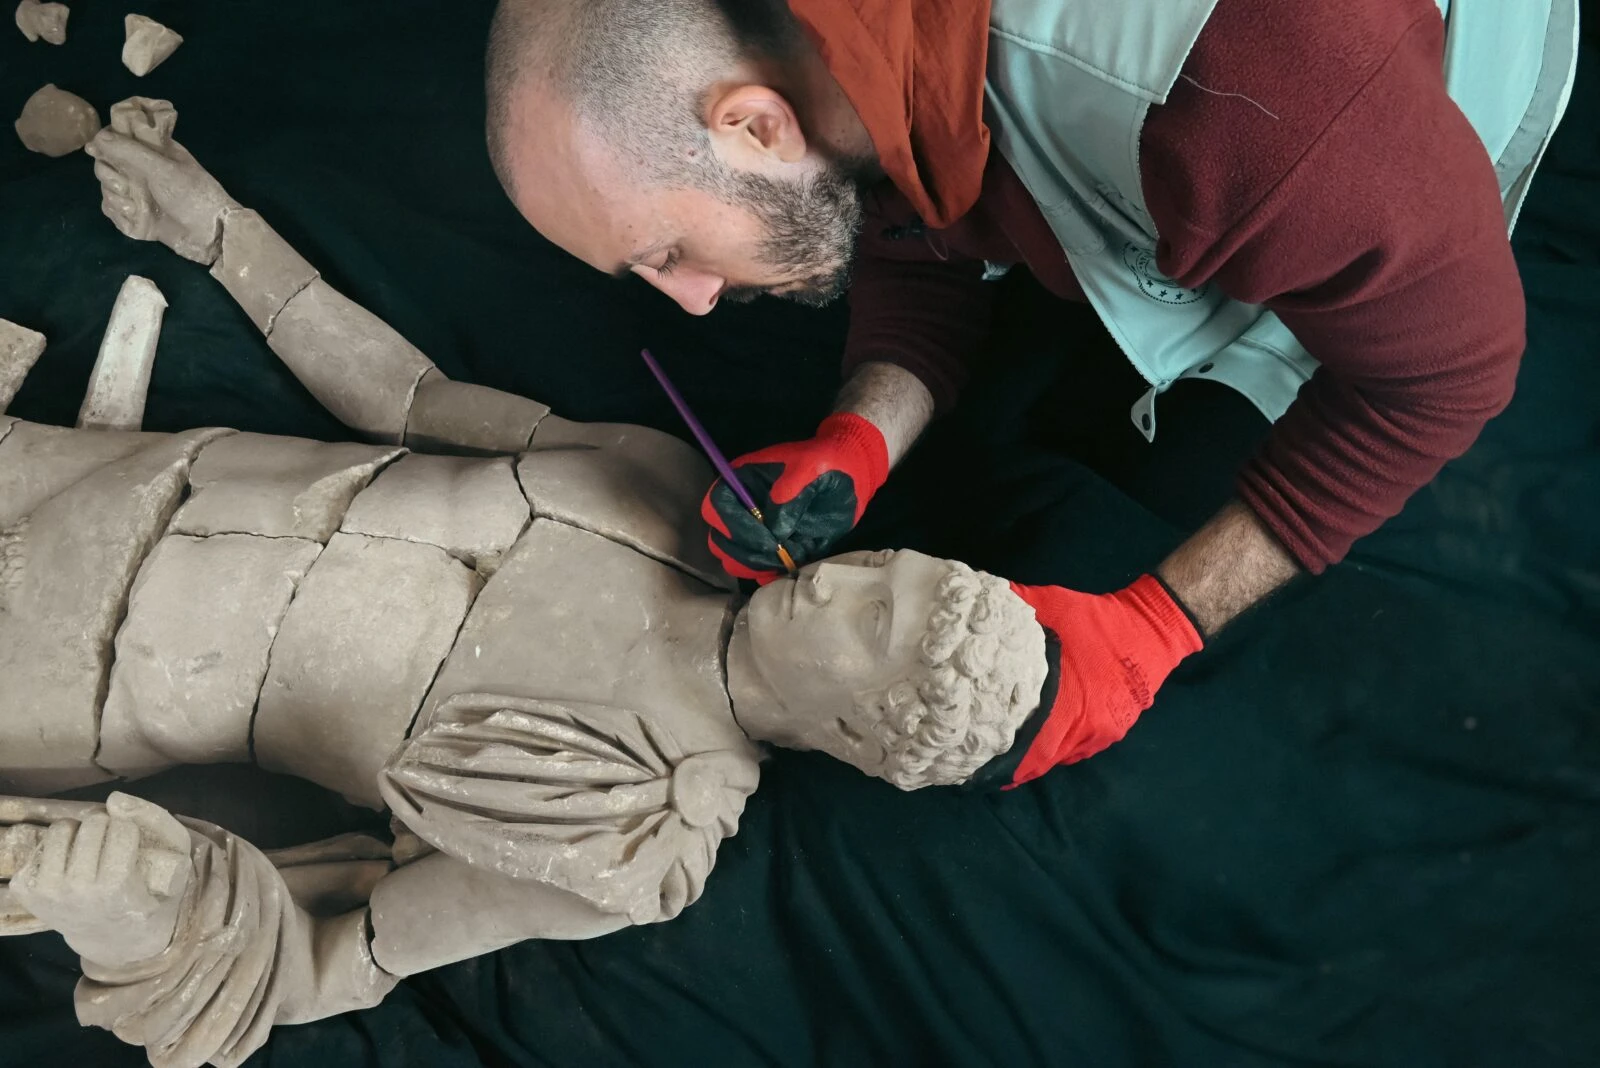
x=125, y=201
x=84, y=865
x=110, y=883
x=148, y=121
x=151, y=187
x=164, y=859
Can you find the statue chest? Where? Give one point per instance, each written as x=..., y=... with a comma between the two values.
x=574, y=616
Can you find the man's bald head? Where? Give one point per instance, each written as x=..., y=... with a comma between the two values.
x=638, y=70
x=678, y=139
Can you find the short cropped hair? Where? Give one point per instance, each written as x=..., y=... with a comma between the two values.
x=637, y=69
x=974, y=685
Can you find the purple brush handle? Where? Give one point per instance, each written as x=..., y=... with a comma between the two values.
x=723, y=467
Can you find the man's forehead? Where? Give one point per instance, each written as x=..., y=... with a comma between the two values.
x=572, y=188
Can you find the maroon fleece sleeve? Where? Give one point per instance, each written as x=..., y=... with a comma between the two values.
x=915, y=304
x=1343, y=189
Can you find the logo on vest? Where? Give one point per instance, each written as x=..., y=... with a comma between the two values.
x=1156, y=286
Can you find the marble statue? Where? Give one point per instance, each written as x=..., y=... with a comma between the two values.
x=502, y=627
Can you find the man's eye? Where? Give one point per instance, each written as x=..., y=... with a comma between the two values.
x=667, y=264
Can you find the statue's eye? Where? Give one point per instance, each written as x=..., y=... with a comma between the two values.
x=875, y=623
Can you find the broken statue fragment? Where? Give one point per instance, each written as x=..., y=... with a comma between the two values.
x=55, y=122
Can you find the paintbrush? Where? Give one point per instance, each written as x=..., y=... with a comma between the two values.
x=717, y=460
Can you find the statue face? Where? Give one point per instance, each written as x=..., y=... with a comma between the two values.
x=843, y=627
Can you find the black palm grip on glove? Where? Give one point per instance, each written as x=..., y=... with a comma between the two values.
x=808, y=525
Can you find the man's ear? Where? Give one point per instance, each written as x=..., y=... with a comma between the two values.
x=753, y=124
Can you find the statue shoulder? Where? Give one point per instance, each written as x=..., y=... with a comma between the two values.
x=600, y=801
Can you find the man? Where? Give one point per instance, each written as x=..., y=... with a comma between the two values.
x=1293, y=199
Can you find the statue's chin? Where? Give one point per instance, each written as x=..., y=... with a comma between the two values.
x=767, y=610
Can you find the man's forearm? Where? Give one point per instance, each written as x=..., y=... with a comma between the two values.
x=892, y=399
x=1228, y=565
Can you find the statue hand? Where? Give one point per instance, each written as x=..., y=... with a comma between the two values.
x=151, y=188
x=112, y=884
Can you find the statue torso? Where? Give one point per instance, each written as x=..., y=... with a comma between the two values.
x=306, y=604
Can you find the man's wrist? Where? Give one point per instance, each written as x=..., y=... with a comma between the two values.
x=1230, y=564
x=892, y=399
x=1177, y=602
x=858, y=438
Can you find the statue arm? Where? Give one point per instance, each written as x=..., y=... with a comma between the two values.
x=195, y=944
x=192, y=942
x=356, y=365
x=262, y=960
x=440, y=909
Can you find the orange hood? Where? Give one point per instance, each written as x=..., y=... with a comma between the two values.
x=917, y=84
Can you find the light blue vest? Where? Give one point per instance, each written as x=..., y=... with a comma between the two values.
x=1069, y=85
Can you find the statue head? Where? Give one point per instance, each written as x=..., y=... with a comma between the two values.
x=911, y=668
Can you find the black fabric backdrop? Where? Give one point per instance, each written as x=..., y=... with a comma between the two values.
x=1361, y=829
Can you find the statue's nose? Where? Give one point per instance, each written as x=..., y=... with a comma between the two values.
x=817, y=588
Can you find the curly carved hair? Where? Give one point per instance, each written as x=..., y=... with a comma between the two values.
x=979, y=675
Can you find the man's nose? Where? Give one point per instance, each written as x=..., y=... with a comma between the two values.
x=816, y=587
x=695, y=291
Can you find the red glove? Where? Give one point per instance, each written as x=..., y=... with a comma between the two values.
x=812, y=493
x=1116, y=651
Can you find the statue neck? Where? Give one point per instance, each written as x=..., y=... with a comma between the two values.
x=755, y=706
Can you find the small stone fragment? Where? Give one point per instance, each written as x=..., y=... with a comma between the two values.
x=148, y=44
x=43, y=21
x=56, y=122
x=120, y=381
x=20, y=349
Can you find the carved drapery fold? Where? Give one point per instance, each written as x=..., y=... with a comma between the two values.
x=598, y=801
